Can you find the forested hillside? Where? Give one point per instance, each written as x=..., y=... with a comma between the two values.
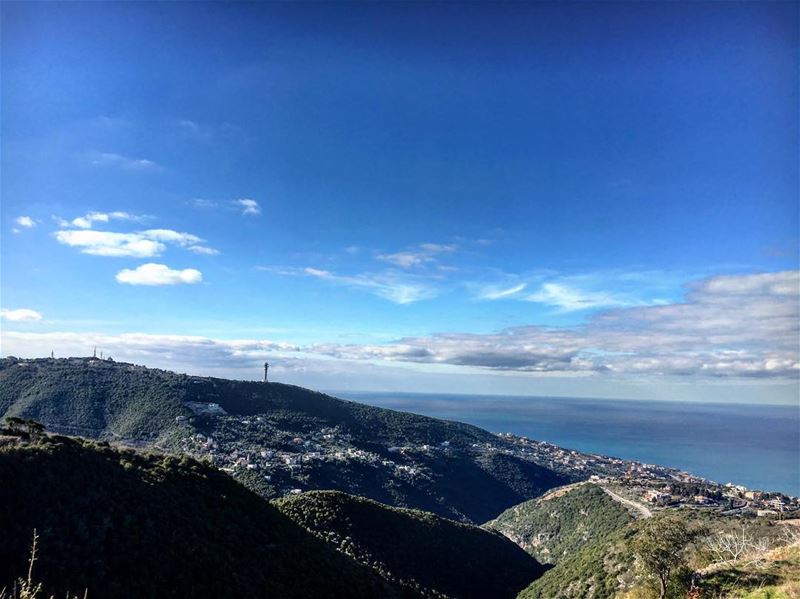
x=417, y=550
x=555, y=527
x=276, y=438
x=127, y=525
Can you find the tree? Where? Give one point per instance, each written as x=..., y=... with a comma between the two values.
x=735, y=544
x=23, y=427
x=660, y=547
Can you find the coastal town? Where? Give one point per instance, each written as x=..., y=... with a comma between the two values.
x=237, y=446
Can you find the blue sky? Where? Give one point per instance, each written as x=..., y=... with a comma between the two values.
x=591, y=199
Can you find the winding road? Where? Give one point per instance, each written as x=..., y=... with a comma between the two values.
x=644, y=511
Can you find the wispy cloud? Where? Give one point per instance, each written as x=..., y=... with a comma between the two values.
x=422, y=254
x=208, y=133
x=203, y=250
x=248, y=206
x=494, y=292
x=203, y=203
x=567, y=293
x=111, y=159
x=195, y=130
x=397, y=287
x=158, y=275
x=390, y=286
x=20, y=315
x=568, y=299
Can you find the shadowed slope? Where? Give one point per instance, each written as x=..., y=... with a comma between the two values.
x=435, y=556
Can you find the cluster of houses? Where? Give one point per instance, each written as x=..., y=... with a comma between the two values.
x=289, y=457
x=657, y=485
x=584, y=465
x=729, y=499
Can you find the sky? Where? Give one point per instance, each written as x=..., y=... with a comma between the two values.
x=588, y=199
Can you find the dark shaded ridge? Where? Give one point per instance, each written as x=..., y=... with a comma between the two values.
x=125, y=525
x=418, y=550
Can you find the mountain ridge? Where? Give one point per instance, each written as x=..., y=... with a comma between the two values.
x=277, y=438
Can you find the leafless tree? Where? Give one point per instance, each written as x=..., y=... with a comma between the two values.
x=736, y=545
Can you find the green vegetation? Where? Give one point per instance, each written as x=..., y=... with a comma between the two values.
x=433, y=556
x=598, y=570
x=661, y=546
x=773, y=575
x=93, y=398
x=124, y=524
x=150, y=408
x=555, y=527
x=680, y=541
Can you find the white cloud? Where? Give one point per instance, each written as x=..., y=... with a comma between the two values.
x=157, y=275
x=248, y=206
x=110, y=159
x=422, y=254
x=568, y=299
x=732, y=327
x=437, y=248
x=404, y=259
x=780, y=284
x=397, y=287
x=166, y=351
x=189, y=125
x=203, y=250
x=729, y=326
x=106, y=243
x=21, y=315
x=25, y=221
x=579, y=292
x=170, y=236
x=86, y=221
x=141, y=244
x=394, y=287
x=492, y=292
x=202, y=203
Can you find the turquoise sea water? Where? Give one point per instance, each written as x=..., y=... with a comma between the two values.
x=756, y=446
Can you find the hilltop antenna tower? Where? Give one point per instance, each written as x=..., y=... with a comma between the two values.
x=94, y=353
x=266, y=368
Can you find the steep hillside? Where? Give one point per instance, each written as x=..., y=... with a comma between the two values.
x=93, y=398
x=122, y=524
x=133, y=402
x=776, y=575
x=434, y=556
x=604, y=567
x=276, y=438
x=598, y=570
x=556, y=526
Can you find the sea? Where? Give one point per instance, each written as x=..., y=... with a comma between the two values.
x=757, y=446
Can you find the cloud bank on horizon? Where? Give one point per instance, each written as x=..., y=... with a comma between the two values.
x=728, y=326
